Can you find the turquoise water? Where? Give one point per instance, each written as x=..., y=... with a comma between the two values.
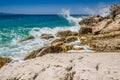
x=13, y=28
x=20, y=25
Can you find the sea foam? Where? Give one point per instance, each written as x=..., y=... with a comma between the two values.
x=18, y=51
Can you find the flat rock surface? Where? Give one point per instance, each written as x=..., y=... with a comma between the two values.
x=74, y=66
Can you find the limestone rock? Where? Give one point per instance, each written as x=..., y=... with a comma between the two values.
x=3, y=61
x=109, y=45
x=87, y=24
x=28, y=38
x=44, y=51
x=115, y=10
x=114, y=26
x=66, y=33
x=47, y=36
x=66, y=47
x=58, y=41
x=100, y=26
x=105, y=34
x=65, y=67
x=71, y=39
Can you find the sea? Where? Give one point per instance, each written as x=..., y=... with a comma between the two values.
x=14, y=28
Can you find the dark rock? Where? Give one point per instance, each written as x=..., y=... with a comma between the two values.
x=28, y=38
x=44, y=51
x=87, y=24
x=66, y=47
x=71, y=39
x=66, y=33
x=58, y=42
x=4, y=61
x=47, y=36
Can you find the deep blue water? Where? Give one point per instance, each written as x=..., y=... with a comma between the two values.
x=32, y=21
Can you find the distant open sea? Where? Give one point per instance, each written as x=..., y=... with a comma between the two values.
x=13, y=28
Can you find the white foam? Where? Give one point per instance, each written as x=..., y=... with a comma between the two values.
x=101, y=9
x=80, y=51
x=85, y=49
x=66, y=14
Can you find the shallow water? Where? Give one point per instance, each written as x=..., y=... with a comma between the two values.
x=13, y=28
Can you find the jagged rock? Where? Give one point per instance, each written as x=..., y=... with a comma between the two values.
x=66, y=33
x=66, y=47
x=109, y=45
x=114, y=26
x=115, y=10
x=105, y=31
x=115, y=34
x=57, y=41
x=71, y=39
x=28, y=38
x=44, y=51
x=87, y=24
x=3, y=61
x=47, y=36
x=100, y=26
x=65, y=67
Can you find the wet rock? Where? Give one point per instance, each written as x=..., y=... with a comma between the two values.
x=87, y=24
x=66, y=47
x=85, y=29
x=4, y=61
x=58, y=41
x=66, y=33
x=47, y=36
x=28, y=38
x=44, y=51
x=71, y=39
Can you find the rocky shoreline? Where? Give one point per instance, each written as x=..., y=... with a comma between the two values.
x=100, y=34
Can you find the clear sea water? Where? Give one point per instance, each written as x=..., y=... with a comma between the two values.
x=13, y=28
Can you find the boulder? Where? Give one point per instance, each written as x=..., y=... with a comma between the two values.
x=44, y=51
x=4, y=61
x=87, y=24
x=47, y=36
x=109, y=45
x=66, y=47
x=70, y=39
x=100, y=26
x=112, y=27
x=66, y=33
x=58, y=41
x=28, y=38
